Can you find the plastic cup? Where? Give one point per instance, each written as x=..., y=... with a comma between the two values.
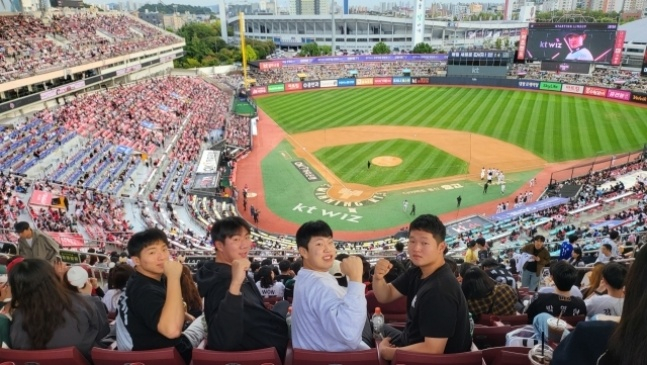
x=536, y=357
x=556, y=329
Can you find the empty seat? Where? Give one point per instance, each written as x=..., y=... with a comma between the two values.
x=64, y=356
x=167, y=356
x=257, y=357
x=306, y=357
x=414, y=358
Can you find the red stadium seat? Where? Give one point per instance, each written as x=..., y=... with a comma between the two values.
x=167, y=356
x=574, y=320
x=512, y=358
x=491, y=355
x=415, y=358
x=64, y=356
x=306, y=357
x=257, y=357
x=393, y=312
x=486, y=337
x=514, y=320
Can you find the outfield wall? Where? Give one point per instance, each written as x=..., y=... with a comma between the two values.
x=522, y=84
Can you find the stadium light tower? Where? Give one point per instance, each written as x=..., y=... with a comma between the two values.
x=223, y=20
x=332, y=13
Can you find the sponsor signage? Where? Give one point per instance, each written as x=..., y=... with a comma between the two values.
x=269, y=65
x=328, y=83
x=639, y=98
x=522, y=42
x=364, y=81
x=573, y=89
x=401, y=80
x=70, y=257
x=355, y=59
x=305, y=170
x=310, y=84
x=206, y=181
x=552, y=86
x=529, y=85
x=566, y=67
x=618, y=94
x=62, y=90
x=258, y=90
x=208, y=162
x=346, y=82
x=616, y=58
x=595, y=91
x=275, y=88
x=573, y=42
x=420, y=80
x=129, y=69
x=290, y=86
x=382, y=81
x=476, y=71
x=643, y=70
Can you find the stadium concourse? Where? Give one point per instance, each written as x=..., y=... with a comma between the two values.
x=106, y=164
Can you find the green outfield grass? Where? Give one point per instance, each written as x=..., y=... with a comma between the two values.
x=554, y=126
x=420, y=161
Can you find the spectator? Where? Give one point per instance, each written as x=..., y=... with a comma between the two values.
x=400, y=255
x=612, y=240
x=566, y=249
x=539, y=258
x=471, y=256
x=48, y=316
x=76, y=279
x=236, y=317
x=327, y=316
x=192, y=299
x=117, y=278
x=482, y=252
x=559, y=303
x=284, y=267
x=576, y=258
x=267, y=285
x=610, y=304
x=34, y=244
x=592, y=282
x=499, y=273
x=485, y=296
x=151, y=314
x=575, y=291
x=437, y=314
x=605, y=254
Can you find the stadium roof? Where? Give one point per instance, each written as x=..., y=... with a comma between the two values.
x=635, y=30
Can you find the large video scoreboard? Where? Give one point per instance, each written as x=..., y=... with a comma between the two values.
x=486, y=63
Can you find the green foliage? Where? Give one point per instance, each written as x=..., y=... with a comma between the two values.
x=498, y=43
x=326, y=50
x=250, y=53
x=170, y=9
x=310, y=50
x=381, y=48
x=422, y=48
x=576, y=16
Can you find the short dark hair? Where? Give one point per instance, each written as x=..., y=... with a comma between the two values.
x=476, y=284
x=607, y=246
x=143, y=239
x=227, y=228
x=614, y=235
x=452, y=265
x=284, y=265
x=578, y=251
x=539, y=237
x=464, y=267
x=296, y=266
x=255, y=265
x=312, y=229
x=399, y=246
x=471, y=244
x=20, y=227
x=572, y=238
x=489, y=262
x=431, y=224
x=614, y=274
x=266, y=262
x=564, y=275
x=480, y=241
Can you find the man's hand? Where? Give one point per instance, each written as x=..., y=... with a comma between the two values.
x=238, y=274
x=172, y=270
x=352, y=267
x=382, y=268
x=387, y=349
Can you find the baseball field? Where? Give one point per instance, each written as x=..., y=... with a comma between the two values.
x=346, y=152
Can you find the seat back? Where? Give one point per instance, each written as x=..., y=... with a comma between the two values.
x=256, y=357
x=64, y=356
x=306, y=357
x=395, y=311
x=485, y=337
x=491, y=355
x=414, y=358
x=514, y=320
x=167, y=356
x=574, y=320
x=512, y=358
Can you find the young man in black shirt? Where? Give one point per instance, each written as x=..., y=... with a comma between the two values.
x=437, y=315
x=236, y=315
x=151, y=310
x=561, y=301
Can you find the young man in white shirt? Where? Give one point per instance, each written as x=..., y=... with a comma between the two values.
x=605, y=253
x=326, y=316
x=610, y=304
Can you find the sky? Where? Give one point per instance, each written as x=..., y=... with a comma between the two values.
x=283, y=3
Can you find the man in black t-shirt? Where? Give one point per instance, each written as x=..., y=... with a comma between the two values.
x=437, y=315
x=284, y=266
x=151, y=310
x=561, y=301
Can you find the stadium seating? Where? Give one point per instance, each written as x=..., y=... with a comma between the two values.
x=64, y=356
x=257, y=357
x=492, y=356
x=168, y=356
x=306, y=357
x=414, y=358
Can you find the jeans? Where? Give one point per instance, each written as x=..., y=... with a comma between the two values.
x=540, y=323
x=529, y=280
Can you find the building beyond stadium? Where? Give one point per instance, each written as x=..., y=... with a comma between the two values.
x=362, y=32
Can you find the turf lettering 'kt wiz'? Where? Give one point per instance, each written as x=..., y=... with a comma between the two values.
x=352, y=218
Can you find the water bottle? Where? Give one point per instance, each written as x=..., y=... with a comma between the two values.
x=378, y=322
x=288, y=319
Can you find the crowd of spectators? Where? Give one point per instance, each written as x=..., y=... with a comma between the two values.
x=31, y=45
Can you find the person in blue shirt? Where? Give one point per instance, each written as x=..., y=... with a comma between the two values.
x=567, y=247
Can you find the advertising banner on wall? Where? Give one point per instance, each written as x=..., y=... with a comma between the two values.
x=552, y=86
x=328, y=83
x=616, y=58
x=311, y=84
x=595, y=91
x=401, y=80
x=346, y=82
x=522, y=42
x=643, y=70
x=382, y=81
x=476, y=71
x=566, y=67
x=639, y=98
x=258, y=90
x=420, y=80
x=618, y=94
x=572, y=89
x=291, y=86
x=364, y=81
x=275, y=88
x=62, y=90
x=529, y=84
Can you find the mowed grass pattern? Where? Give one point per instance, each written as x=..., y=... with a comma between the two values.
x=420, y=161
x=554, y=126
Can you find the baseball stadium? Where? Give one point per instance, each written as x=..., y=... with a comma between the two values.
x=140, y=201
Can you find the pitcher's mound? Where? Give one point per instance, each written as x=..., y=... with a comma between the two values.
x=386, y=161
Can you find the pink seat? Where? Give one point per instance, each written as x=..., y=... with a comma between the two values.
x=64, y=356
x=167, y=356
x=414, y=358
x=393, y=312
x=306, y=357
x=256, y=357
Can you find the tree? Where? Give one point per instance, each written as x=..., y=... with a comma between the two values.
x=381, y=48
x=507, y=43
x=250, y=53
x=310, y=50
x=326, y=50
x=498, y=43
x=422, y=48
